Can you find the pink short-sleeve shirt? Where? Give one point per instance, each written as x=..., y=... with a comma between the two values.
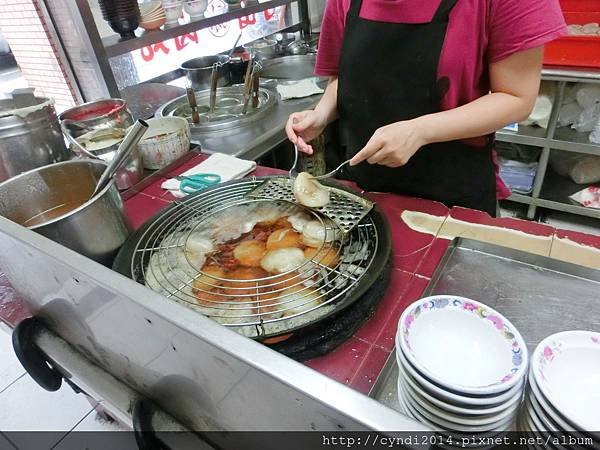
x=479, y=32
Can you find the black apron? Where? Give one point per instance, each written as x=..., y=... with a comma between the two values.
x=388, y=73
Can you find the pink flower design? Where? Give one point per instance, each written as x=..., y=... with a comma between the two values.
x=469, y=306
x=506, y=378
x=497, y=321
x=595, y=340
x=409, y=320
x=548, y=353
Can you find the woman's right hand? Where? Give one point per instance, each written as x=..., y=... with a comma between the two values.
x=304, y=126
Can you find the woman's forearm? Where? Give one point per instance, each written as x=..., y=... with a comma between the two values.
x=327, y=106
x=478, y=118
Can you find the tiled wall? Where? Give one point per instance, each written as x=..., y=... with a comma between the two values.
x=36, y=51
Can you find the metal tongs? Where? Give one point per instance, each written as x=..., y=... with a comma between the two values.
x=214, y=77
x=251, y=85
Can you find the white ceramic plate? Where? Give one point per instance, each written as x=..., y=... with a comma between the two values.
x=429, y=415
x=453, y=398
x=566, y=368
x=416, y=391
x=470, y=420
x=462, y=344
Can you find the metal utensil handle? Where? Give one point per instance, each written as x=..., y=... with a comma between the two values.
x=191, y=96
x=237, y=41
x=133, y=137
x=333, y=172
x=214, y=76
x=76, y=143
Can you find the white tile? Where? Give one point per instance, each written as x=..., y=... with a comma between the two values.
x=26, y=406
x=10, y=367
x=76, y=440
x=95, y=422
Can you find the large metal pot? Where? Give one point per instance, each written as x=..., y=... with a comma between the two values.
x=55, y=201
x=110, y=112
x=199, y=70
x=29, y=137
x=105, y=149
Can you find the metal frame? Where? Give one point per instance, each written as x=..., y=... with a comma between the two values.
x=203, y=374
x=551, y=139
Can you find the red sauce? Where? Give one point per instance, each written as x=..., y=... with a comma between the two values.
x=100, y=110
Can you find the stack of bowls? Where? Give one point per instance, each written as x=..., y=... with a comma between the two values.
x=462, y=367
x=173, y=9
x=564, y=391
x=122, y=15
x=195, y=8
x=152, y=15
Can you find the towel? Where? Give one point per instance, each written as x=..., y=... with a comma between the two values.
x=228, y=167
x=299, y=89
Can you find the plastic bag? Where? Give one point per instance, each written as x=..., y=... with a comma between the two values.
x=569, y=114
x=588, y=119
x=582, y=169
x=587, y=95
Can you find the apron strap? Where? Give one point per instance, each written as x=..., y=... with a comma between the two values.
x=443, y=10
x=354, y=10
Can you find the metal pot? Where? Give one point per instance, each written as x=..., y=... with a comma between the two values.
x=55, y=201
x=199, y=70
x=263, y=49
x=29, y=137
x=106, y=149
x=110, y=112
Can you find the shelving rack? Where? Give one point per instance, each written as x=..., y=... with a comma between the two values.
x=89, y=56
x=549, y=189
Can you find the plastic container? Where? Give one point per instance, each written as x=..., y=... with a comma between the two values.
x=576, y=51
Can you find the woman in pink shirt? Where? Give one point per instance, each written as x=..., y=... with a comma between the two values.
x=420, y=87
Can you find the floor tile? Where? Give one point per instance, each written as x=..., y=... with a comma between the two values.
x=95, y=422
x=342, y=363
x=399, y=282
x=10, y=367
x=414, y=291
x=142, y=207
x=5, y=444
x=366, y=376
x=26, y=406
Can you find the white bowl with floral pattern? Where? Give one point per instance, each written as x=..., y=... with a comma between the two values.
x=462, y=345
x=566, y=369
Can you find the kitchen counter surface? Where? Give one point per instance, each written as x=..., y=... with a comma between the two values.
x=421, y=232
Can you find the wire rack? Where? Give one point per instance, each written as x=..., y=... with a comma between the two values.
x=345, y=209
x=262, y=306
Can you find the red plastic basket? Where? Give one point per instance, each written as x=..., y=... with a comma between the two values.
x=576, y=51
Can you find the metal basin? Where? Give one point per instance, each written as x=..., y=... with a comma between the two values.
x=228, y=110
x=127, y=176
x=29, y=137
x=199, y=70
x=55, y=201
x=111, y=112
x=295, y=67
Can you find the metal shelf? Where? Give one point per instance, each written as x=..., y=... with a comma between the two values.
x=115, y=46
x=565, y=138
x=571, y=74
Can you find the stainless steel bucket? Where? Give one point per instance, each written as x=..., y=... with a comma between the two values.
x=199, y=70
x=29, y=137
x=55, y=201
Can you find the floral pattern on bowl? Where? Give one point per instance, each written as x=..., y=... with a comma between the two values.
x=441, y=302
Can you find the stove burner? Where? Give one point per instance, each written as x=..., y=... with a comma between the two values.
x=319, y=318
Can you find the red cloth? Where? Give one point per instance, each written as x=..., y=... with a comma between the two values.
x=479, y=32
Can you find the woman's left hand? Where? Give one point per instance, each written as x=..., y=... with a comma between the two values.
x=392, y=145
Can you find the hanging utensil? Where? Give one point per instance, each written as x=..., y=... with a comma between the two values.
x=129, y=143
x=255, y=89
x=191, y=96
x=248, y=86
x=214, y=76
x=237, y=41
